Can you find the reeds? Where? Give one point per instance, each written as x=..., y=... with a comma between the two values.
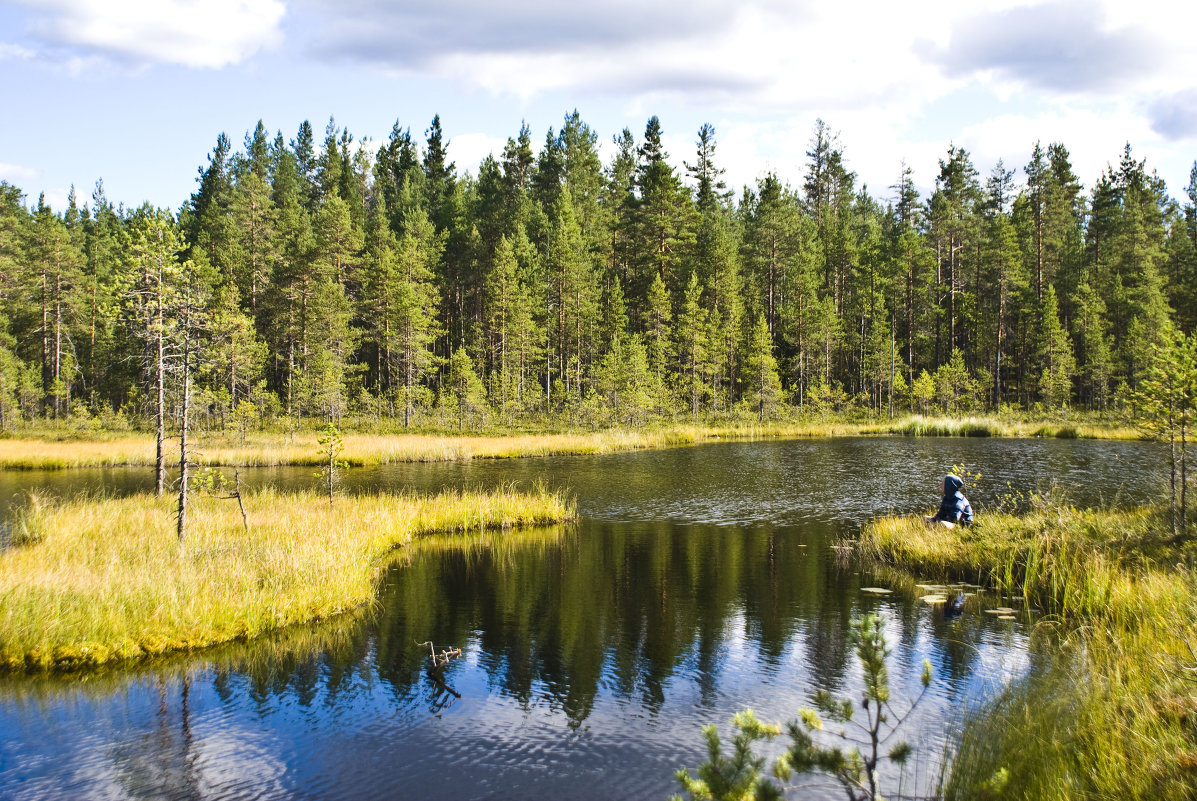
x=107, y=579
x=1114, y=714
x=983, y=426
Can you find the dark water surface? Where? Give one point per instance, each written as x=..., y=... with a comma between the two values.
x=698, y=582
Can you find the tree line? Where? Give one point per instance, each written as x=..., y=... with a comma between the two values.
x=319, y=279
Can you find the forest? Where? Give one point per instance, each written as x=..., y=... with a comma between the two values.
x=324, y=280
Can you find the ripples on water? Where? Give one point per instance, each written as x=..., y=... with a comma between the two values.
x=699, y=582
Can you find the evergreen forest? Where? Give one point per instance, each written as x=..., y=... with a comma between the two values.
x=323, y=279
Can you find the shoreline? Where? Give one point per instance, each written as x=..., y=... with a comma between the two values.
x=64, y=450
x=98, y=581
x=1118, y=592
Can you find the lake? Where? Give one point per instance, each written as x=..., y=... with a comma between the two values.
x=697, y=582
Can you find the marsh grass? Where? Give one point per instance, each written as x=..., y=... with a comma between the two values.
x=1114, y=715
x=359, y=449
x=1013, y=427
x=50, y=452
x=107, y=579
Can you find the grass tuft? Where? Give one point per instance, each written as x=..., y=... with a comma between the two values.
x=106, y=579
x=1102, y=719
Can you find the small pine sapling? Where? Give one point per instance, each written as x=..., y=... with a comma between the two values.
x=738, y=777
x=741, y=777
x=855, y=769
x=331, y=446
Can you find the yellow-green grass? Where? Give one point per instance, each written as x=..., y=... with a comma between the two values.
x=1072, y=562
x=1116, y=714
x=989, y=426
x=267, y=449
x=107, y=579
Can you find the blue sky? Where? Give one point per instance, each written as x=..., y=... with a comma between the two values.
x=135, y=92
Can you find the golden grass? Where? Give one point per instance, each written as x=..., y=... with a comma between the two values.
x=1010, y=427
x=268, y=450
x=264, y=450
x=1113, y=715
x=1072, y=562
x=102, y=580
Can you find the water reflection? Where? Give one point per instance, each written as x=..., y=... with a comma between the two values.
x=698, y=582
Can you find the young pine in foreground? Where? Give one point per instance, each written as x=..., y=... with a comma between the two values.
x=741, y=776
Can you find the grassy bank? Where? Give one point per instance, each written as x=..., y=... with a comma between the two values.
x=103, y=580
x=1010, y=427
x=53, y=449
x=264, y=450
x=1115, y=713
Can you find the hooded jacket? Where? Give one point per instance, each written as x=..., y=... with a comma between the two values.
x=954, y=508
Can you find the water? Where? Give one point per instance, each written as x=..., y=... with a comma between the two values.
x=698, y=582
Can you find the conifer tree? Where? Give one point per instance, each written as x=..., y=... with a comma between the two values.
x=53, y=275
x=415, y=303
x=254, y=220
x=235, y=358
x=692, y=347
x=952, y=218
x=206, y=220
x=1056, y=358
x=1093, y=347
x=574, y=295
x=764, y=385
x=657, y=324
x=662, y=214
x=153, y=272
x=1167, y=398
x=466, y=394
x=440, y=175
x=103, y=364
x=771, y=242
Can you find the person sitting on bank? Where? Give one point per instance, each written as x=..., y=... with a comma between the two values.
x=954, y=509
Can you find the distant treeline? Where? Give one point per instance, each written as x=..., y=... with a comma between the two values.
x=318, y=279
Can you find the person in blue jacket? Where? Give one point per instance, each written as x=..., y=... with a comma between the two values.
x=954, y=509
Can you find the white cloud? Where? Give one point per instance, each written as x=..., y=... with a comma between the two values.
x=1094, y=139
x=14, y=52
x=468, y=150
x=15, y=174
x=192, y=33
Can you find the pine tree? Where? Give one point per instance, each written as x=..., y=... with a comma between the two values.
x=466, y=394
x=235, y=358
x=1093, y=347
x=573, y=299
x=154, y=272
x=53, y=276
x=692, y=347
x=1167, y=399
x=104, y=368
x=772, y=239
x=440, y=175
x=325, y=383
x=764, y=385
x=254, y=220
x=657, y=318
x=415, y=303
x=952, y=215
x=206, y=220
x=1056, y=358
x=662, y=215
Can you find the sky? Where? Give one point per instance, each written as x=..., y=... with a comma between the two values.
x=135, y=92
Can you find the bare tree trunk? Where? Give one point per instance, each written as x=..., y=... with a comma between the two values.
x=57, y=342
x=184, y=472
x=160, y=432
